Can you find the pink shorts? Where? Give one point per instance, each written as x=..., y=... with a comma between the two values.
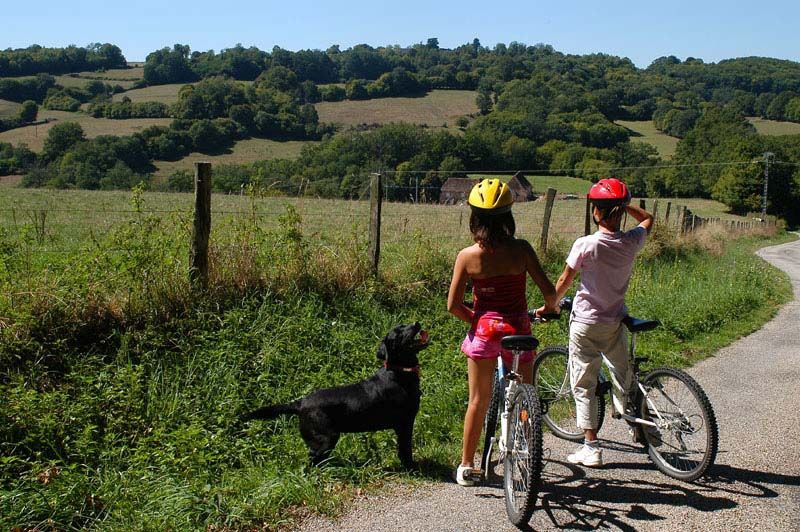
x=488, y=328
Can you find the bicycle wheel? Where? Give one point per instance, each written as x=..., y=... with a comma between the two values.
x=490, y=424
x=551, y=378
x=683, y=444
x=522, y=463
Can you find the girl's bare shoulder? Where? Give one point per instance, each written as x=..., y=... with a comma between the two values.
x=522, y=246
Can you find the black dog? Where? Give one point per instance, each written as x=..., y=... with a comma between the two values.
x=387, y=400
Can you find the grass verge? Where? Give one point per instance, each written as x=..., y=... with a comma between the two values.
x=120, y=409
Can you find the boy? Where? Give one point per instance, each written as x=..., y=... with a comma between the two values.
x=605, y=260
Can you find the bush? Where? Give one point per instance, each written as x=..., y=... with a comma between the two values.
x=61, y=102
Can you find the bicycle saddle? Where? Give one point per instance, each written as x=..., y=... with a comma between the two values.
x=636, y=325
x=519, y=342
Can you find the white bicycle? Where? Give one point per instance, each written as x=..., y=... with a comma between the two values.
x=519, y=441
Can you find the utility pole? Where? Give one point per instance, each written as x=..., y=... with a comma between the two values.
x=767, y=156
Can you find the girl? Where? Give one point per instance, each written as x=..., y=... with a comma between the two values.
x=497, y=265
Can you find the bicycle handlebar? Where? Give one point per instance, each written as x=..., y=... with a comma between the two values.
x=531, y=314
x=544, y=317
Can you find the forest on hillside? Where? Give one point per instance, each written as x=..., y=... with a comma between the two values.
x=538, y=109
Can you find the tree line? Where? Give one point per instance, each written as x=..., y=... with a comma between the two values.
x=37, y=59
x=538, y=108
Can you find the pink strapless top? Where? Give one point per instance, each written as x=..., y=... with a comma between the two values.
x=504, y=294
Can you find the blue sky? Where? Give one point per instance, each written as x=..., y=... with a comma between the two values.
x=642, y=31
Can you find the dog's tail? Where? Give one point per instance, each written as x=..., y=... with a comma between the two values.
x=273, y=411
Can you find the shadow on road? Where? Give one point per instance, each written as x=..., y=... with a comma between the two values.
x=573, y=500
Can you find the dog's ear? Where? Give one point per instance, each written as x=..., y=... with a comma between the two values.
x=382, y=353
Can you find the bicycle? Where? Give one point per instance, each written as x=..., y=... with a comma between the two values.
x=667, y=409
x=520, y=439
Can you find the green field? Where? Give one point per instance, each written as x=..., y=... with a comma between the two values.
x=70, y=223
x=645, y=131
x=774, y=127
x=243, y=152
x=34, y=136
x=436, y=109
x=8, y=109
x=167, y=94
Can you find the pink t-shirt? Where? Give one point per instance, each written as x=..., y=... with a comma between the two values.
x=605, y=262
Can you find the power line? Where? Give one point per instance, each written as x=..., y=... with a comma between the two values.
x=554, y=170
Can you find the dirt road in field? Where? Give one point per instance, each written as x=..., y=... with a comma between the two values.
x=754, y=485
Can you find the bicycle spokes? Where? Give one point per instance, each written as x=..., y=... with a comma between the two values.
x=682, y=439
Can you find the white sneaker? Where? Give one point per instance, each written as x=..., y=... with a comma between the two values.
x=588, y=456
x=464, y=475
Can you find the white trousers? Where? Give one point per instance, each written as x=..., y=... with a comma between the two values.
x=588, y=345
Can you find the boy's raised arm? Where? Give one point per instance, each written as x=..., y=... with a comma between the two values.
x=644, y=218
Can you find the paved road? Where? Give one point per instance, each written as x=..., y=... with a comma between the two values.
x=754, y=485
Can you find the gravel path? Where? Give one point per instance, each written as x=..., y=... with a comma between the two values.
x=754, y=485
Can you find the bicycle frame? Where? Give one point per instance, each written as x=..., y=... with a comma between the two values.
x=631, y=394
x=509, y=381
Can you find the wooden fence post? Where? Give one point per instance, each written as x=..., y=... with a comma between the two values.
x=655, y=210
x=198, y=254
x=375, y=200
x=548, y=210
x=587, y=226
x=666, y=214
x=682, y=219
x=642, y=204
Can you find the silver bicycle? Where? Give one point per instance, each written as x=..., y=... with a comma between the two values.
x=668, y=411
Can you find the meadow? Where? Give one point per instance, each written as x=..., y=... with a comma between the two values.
x=8, y=109
x=645, y=131
x=35, y=135
x=438, y=108
x=774, y=127
x=242, y=152
x=167, y=94
x=73, y=218
x=121, y=384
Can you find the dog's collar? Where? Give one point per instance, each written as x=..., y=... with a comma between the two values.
x=404, y=369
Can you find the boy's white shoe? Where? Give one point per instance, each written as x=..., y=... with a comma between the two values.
x=588, y=456
x=464, y=476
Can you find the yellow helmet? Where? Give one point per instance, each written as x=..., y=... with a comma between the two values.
x=491, y=196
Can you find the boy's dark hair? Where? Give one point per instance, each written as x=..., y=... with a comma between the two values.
x=609, y=212
x=490, y=231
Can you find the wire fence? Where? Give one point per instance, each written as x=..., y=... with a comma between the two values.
x=53, y=223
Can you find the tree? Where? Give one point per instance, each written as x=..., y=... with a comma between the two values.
x=119, y=177
x=28, y=111
x=169, y=66
x=792, y=110
x=60, y=139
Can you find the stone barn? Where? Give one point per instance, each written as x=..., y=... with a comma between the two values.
x=456, y=190
x=521, y=188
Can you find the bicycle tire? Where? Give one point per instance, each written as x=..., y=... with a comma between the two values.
x=490, y=424
x=551, y=378
x=522, y=463
x=684, y=445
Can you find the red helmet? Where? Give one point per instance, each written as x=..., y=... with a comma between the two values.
x=609, y=192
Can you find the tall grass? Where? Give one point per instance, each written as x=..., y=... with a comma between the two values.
x=122, y=386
